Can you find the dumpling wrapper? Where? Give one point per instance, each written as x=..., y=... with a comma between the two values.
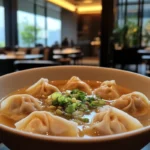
x=107, y=90
x=135, y=104
x=42, y=88
x=110, y=120
x=19, y=106
x=76, y=83
x=43, y=122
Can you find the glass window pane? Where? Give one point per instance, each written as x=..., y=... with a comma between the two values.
x=53, y=31
x=147, y=1
x=132, y=13
x=132, y=1
x=146, y=25
x=40, y=23
x=26, y=24
x=53, y=11
x=121, y=15
x=121, y=1
x=53, y=25
x=2, y=25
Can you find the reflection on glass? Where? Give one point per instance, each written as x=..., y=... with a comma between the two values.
x=132, y=1
x=146, y=25
x=40, y=26
x=53, y=31
x=132, y=13
x=26, y=29
x=121, y=15
x=146, y=0
x=2, y=27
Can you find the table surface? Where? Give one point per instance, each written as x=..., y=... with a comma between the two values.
x=21, y=57
x=143, y=51
x=67, y=51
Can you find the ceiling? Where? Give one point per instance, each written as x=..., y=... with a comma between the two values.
x=85, y=2
x=80, y=6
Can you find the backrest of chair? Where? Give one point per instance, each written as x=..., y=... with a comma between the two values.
x=46, y=52
x=35, y=50
x=126, y=57
x=6, y=66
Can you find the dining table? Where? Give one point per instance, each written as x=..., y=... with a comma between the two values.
x=7, y=61
x=143, y=52
x=65, y=52
x=21, y=57
x=68, y=53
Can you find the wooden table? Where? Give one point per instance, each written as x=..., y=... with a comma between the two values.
x=66, y=52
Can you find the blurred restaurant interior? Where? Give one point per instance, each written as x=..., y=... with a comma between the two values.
x=107, y=33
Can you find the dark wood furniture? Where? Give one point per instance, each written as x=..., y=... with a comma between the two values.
x=7, y=61
x=126, y=57
x=28, y=64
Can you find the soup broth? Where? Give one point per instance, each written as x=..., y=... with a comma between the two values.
x=80, y=102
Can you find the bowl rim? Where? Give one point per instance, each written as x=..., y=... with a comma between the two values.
x=76, y=139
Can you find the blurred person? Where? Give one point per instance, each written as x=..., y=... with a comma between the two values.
x=65, y=42
x=56, y=45
x=72, y=43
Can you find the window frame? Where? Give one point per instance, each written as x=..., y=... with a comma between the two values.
x=45, y=6
x=140, y=14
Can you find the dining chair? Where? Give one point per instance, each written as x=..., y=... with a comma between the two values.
x=77, y=58
x=126, y=57
x=6, y=66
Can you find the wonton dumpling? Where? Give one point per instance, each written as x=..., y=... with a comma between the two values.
x=135, y=103
x=42, y=88
x=107, y=90
x=43, y=122
x=19, y=106
x=110, y=120
x=76, y=83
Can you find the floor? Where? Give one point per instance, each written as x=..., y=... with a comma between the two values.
x=94, y=61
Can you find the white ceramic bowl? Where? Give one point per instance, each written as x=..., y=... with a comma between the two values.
x=14, y=139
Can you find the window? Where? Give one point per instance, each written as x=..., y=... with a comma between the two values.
x=53, y=31
x=2, y=25
x=26, y=24
x=53, y=25
x=40, y=23
x=135, y=14
x=146, y=25
x=132, y=14
x=133, y=1
x=121, y=15
x=34, y=28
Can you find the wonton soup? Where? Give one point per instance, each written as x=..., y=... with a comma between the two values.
x=75, y=108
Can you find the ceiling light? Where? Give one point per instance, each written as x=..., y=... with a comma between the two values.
x=64, y=4
x=87, y=1
x=89, y=9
